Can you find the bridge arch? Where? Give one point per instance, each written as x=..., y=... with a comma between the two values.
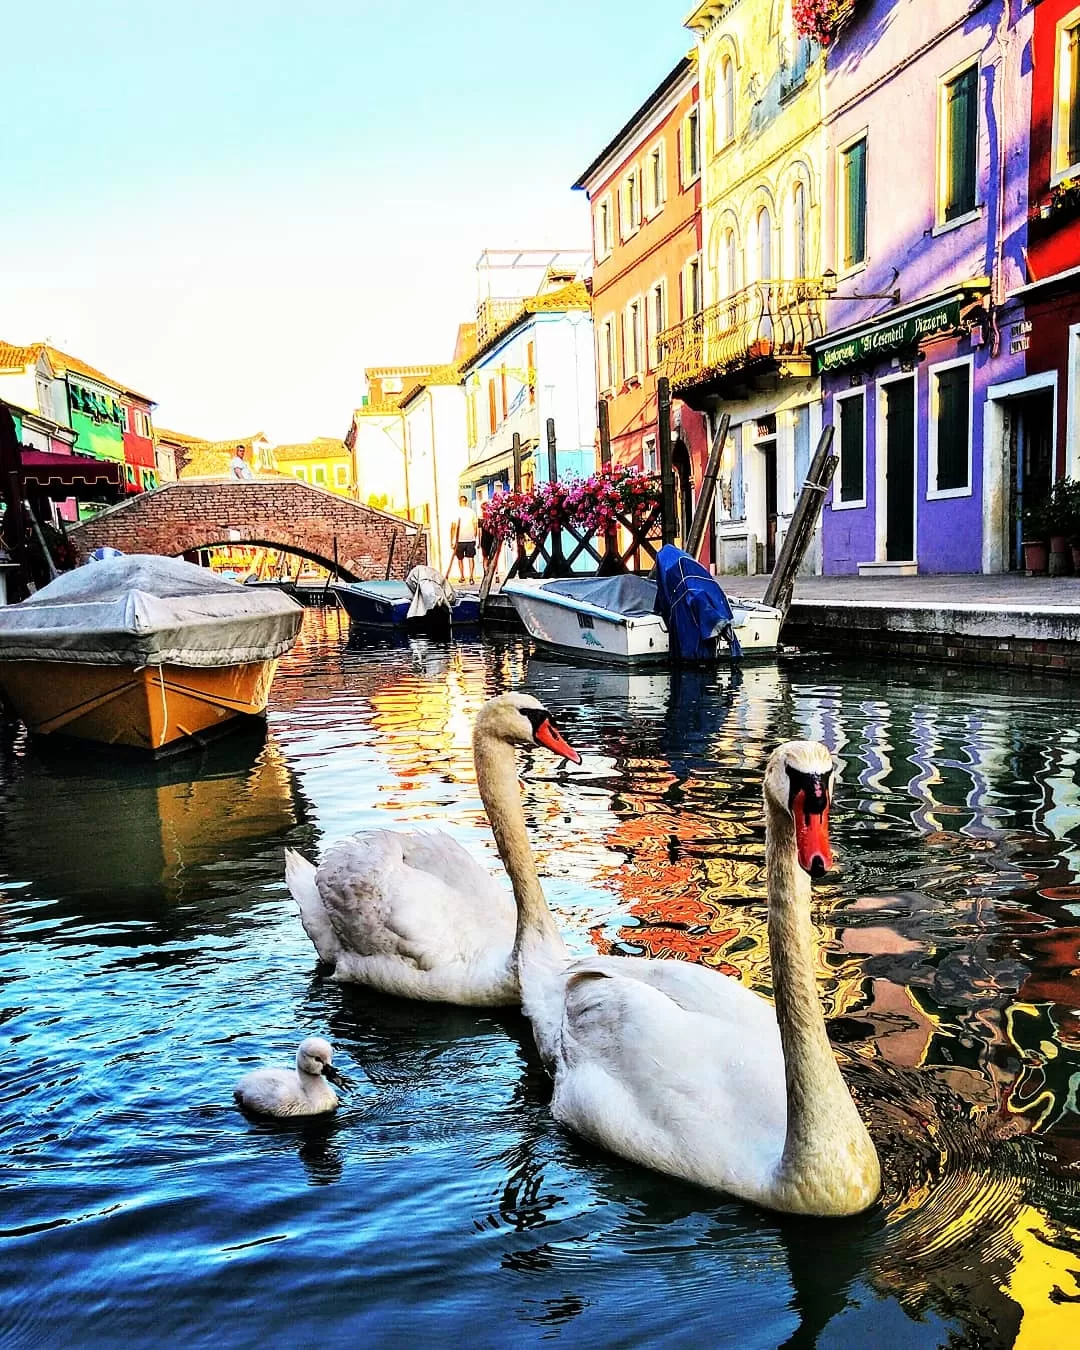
x=280, y=513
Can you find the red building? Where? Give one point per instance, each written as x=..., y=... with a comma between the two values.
x=1050, y=331
x=140, y=463
x=644, y=188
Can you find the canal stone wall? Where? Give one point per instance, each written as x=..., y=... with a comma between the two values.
x=278, y=513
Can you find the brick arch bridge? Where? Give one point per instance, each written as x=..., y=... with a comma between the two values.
x=281, y=513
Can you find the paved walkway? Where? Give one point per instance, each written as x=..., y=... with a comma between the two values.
x=1010, y=591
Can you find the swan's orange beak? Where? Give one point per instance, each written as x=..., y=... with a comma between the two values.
x=810, y=810
x=549, y=736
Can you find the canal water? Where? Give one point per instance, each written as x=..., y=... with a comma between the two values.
x=150, y=955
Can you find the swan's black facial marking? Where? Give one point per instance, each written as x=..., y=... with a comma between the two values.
x=814, y=788
x=537, y=717
x=547, y=734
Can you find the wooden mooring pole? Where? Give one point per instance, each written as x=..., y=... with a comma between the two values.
x=803, y=522
x=667, y=468
x=558, y=560
x=604, y=424
x=703, y=509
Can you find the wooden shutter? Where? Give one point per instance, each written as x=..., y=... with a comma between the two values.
x=1074, y=97
x=962, y=123
x=492, y=410
x=855, y=204
x=952, y=428
x=851, y=448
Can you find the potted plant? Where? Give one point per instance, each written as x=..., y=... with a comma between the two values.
x=1061, y=525
x=1035, y=539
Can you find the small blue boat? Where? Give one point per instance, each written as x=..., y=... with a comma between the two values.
x=384, y=606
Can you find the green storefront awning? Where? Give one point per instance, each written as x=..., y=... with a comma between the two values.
x=890, y=333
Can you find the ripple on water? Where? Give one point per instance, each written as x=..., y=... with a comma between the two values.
x=150, y=954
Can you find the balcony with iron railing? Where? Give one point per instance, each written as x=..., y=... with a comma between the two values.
x=769, y=323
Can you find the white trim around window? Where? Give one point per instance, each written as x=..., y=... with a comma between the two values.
x=654, y=181
x=940, y=494
x=1064, y=97
x=658, y=319
x=633, y=336
x=691, y=283
x=844, y=269
x=838, y=503
x=606, y=353
x=604, y=228
x=630, y=203
x=943, y=150
x=690, y=147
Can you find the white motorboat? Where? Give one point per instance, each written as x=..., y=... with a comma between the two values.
x=614, y=620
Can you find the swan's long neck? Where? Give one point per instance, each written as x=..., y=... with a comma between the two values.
x=496, y=777
x=827, y=1151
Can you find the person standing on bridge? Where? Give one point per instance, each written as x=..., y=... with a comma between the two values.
x=241, y=469
x=463, y=538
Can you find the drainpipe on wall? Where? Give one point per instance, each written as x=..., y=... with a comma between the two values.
x=997, y=284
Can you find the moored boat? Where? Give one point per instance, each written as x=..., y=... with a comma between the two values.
x=423, y=603
x=618, y=619
x=143, y=652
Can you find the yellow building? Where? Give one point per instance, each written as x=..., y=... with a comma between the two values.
x=740, y=347
x=324, y=462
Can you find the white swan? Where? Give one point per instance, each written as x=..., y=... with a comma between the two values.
x=287, y=1092
x=685, y=1070
x=413, y=914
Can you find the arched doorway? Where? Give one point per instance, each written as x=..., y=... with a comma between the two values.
x=684, y=489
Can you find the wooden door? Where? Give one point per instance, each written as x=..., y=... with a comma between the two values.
x=900, y=471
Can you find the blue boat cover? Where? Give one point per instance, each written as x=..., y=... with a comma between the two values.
x=693, y=606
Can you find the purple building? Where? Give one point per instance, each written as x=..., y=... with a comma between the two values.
x=927, y=119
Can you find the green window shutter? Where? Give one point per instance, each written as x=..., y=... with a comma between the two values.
x=1074, y=97
x=952, y=428
x=854, y=187
x=962, y=123
x=851, y=448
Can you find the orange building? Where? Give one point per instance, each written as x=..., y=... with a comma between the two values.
x=644, y=188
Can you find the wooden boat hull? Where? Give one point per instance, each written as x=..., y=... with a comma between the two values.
x=152, y=708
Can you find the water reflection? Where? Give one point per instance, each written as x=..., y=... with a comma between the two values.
x=451, y=1206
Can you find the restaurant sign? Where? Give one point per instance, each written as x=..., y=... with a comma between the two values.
x=884, y=337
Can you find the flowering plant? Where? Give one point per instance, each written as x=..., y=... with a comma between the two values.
x=1064, y=197
x=597, y=502
x=594, y=503
x=819, y=19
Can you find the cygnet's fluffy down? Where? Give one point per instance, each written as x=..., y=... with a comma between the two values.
x=288, y=1092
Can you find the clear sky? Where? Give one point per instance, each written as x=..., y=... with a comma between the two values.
x=235, y=205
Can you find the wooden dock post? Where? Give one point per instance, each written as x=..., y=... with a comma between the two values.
x=558, y=560
x=803, y=521
x=603, y=422
x=516, y=452
x=703, y=509
x=667, y=468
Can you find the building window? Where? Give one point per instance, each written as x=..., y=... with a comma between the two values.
x=763, y=245
x=851, y=416
x=648, y=455
x=605, y=230
x=493, y=410
x=341, y=475
x=606, y=351
x=691, y=288
x=319, y=474
x=632, y=343
x=728, y=270
x=630, y=204
x=391, y=384
x=797, y=232
x=853, y=205
x=654, y=180
x=1067, y=104
x=690, y=149
x=300, y=472
x=725, y=105
x=657, y=320
x=958, y=132
x=950, y=430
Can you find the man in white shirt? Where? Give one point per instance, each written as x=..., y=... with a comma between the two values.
x=239, y=466
x=463, y=538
